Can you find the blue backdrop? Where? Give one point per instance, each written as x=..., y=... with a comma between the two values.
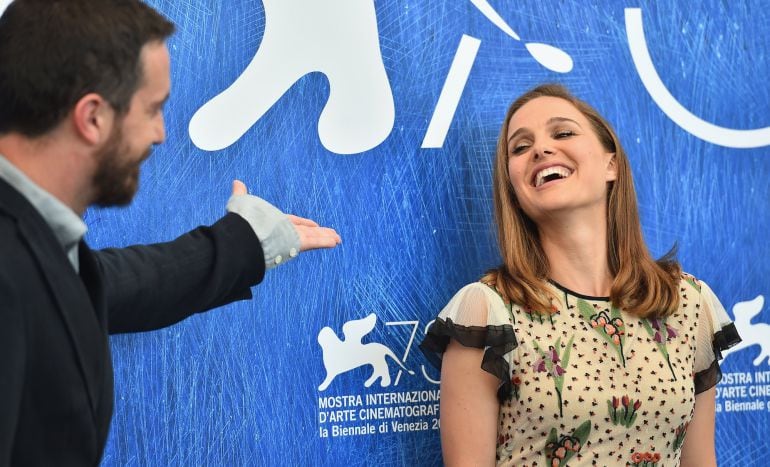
x=240, y=385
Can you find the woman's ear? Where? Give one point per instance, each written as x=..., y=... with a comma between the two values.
x=612, y=167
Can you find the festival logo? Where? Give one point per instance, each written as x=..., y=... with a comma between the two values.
x=373, y=412
x=751, y=333
x=340, y=356
x=747, y=391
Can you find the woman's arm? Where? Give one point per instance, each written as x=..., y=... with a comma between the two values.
x=469, y=408
x=698, y=449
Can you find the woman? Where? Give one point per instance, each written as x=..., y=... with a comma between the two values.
x=580, y=349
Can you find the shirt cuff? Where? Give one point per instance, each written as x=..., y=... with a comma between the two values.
x=276, y=233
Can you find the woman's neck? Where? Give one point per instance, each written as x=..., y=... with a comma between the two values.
x=576, y=248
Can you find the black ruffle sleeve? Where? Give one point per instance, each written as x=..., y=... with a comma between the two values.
x=723, y=339
x=497, y=340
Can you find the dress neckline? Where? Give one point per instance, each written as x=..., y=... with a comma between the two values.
x=576, y=294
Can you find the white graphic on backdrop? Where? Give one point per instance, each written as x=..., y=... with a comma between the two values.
x=444, y=112
x=341, y=356
x=391, y=410
x=343, y=43
x=751, y=334
x=549, y=56
x=338, y=38
x=692, y=124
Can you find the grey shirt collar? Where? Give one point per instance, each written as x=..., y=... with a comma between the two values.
x=67, y=226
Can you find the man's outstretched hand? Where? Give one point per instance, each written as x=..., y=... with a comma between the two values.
x=311, y=235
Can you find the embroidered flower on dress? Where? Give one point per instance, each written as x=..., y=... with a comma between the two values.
x=625, y=416
x=560, y=449
x=613, y=327
x=669, y=331
x=645, y=459
x=554, y=368
x=661, y=334
x=550, y=362
x=679, y=434
x=516, y=387
x=610, y=326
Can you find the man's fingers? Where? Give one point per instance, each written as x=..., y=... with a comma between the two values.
x=311, y=238
x=296, y=220
x=239, y=188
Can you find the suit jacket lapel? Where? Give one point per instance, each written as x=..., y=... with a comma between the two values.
x=92, y=279
x=103, y=382
x=70, y=293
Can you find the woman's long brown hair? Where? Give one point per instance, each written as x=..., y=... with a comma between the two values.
x=641, y=286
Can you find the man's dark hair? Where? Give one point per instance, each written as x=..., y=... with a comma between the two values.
x=54, y=52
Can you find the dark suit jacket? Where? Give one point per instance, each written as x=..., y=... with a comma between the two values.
x=56, y=394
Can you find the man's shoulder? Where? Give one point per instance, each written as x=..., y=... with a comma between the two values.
x=13, y=205
x=9, y=228
x=14, y=250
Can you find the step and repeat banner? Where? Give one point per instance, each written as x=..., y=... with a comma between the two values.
x=380, y=120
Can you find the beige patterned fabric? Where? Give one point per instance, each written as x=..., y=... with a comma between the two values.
x=590, y=384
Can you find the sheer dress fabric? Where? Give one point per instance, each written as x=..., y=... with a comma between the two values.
x=590, y=384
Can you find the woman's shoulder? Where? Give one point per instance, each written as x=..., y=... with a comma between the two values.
x=706, y=299
x=479, y=292
x=689, y=282
x=476, y=303
x=480, y=286
x=687, y=279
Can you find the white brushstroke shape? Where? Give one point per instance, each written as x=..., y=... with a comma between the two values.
x=486, y=9
x=550, y=57
x=728, y=137
x=338, y=38
x=451, y=92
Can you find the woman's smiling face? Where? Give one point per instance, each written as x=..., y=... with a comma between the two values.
x=555, y=160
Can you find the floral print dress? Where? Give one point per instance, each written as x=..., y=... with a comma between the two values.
x=590, y=384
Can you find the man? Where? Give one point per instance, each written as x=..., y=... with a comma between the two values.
x=82, y=87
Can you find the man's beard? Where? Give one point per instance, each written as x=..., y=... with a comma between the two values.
x=117, y=177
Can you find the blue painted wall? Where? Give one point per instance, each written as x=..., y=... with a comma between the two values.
x=239, y=385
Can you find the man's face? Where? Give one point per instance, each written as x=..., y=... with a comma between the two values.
x=117, y=176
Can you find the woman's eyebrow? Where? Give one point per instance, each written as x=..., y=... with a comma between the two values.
x=553, y=120
x=518, y=132
x=550, y=121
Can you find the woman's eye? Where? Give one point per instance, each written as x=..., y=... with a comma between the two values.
x=564, y=134
x=519, y=148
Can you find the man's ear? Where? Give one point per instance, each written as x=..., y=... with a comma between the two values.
x=612, y=167
x=93, y=118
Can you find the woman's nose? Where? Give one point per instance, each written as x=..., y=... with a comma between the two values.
x=542, y=151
